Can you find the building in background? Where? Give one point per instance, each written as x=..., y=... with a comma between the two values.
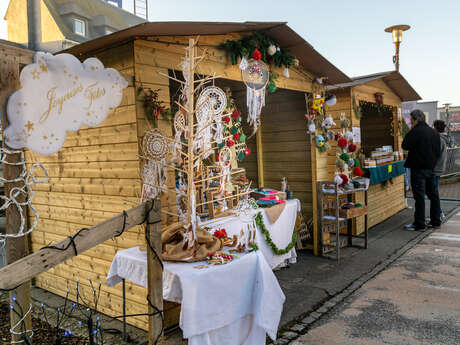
x=430, y=109
x=454, y=121
x=136, y=7
x=54, y=25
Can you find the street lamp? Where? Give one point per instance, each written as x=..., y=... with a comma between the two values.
x=447, y=106
x=396, y=31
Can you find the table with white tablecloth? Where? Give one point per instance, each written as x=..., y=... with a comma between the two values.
x=280, y=232
x=233, y=304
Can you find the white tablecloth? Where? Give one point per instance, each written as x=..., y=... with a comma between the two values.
x=234, y=304
x=280, y=232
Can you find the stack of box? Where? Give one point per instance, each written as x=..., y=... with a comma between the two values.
x=383, y=155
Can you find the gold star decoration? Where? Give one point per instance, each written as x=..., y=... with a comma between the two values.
x=92, y=68
x=35, y=74
x=45, y=137
x=30, y=126
x=44, y=68
x=88, y=114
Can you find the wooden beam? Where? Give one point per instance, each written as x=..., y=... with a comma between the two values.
x=260, y=157
x=155, y=276
x=16, y=248
x=26, y=268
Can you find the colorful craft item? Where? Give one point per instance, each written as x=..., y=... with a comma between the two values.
x=256, y=55
x=319, y=140
x=220, y=233
x=357, y=171
x=242, y=137
x=236, y=114
x=236, y=136
x=220, y=258
x=247, y=151
x=351, y=162
x=317, y=104
x=344, y=178
x=230, y=143
x=234, y=129
x=226, y=119
x=331, y=100
x=342, y=142
x=271, y=50
x=349, y=136
x=338, y=180
x=345, y=157
x=328, y=122
x=356, y=162
x=352, y=148
x=340, y=164
x=337, y=136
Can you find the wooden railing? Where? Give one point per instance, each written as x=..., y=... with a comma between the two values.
x=23, y=270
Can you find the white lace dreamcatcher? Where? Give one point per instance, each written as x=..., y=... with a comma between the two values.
x=29, y=180
x=154, y=171
x=256, y=77
x=211, y=104
x=247, y=211
x=176, y=146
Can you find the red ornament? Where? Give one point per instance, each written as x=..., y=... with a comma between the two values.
x=226, y=119
x=342, y=142
x=230, y=143
x=220, y=233
x=344, y=178
x=247, y=151
x=236, y=114
x=352, y=148
x=256, y=55
x=236, y=136
x=357, y=171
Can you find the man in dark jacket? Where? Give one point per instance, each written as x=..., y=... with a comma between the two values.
x=423, y=144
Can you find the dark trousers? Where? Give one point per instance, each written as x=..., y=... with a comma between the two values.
x=423, y=182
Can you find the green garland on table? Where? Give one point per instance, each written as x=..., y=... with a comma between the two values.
x=261, y=225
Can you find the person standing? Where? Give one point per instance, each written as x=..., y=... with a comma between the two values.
x=423, y=144
x=446, y=142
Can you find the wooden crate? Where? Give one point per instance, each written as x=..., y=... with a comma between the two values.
x=353, y=212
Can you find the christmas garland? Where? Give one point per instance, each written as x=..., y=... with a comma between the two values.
x=261, y=225
x=269, y=49
x=356, y=109
x=370, y=108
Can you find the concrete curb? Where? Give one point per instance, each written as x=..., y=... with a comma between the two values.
x=301, y=327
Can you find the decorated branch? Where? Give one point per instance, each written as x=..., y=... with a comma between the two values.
x=154, y=107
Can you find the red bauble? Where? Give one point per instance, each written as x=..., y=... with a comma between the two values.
x=342, y=142
x=344, y=178
x=247, y=151
x=226, y=119
x=357, y=171
x=352, y=148
x=256, y=55
x=236, y=114
x=236, y=136
x=230, y=143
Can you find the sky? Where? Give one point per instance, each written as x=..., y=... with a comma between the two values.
x=350, y=34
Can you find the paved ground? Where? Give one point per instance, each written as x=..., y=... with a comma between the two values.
x=314, y=281
x=415, y=301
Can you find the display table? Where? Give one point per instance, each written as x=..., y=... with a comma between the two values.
x=233, y=304
x=386, y=172
x=280, y=232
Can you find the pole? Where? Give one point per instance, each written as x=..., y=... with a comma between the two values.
x=397, y=56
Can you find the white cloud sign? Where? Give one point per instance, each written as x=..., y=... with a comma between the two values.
x=60, y=94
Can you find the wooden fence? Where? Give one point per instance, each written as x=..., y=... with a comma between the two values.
x=23, y=270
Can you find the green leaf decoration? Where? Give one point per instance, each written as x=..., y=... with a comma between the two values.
x=240, y=156
x=345, y=157
x=242, y=138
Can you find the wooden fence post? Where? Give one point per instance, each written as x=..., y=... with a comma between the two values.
x=155, y=271
x=16, y=248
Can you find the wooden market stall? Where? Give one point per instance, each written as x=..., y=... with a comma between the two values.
x=372, y=103
x=96, y=174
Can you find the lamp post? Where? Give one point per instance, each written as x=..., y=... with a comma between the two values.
x=396, y=31
x=447, y=106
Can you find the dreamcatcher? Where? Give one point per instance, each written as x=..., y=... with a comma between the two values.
x=154, y=171
x=247, y=211
x=179, y=128
x=256, y=77
x=211, y=103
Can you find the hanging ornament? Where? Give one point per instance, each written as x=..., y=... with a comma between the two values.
x=236, y=136
x=240, y=156
x=311, y=126
x=330, y=135
x=331, y=100
x=349, y=136
x=345, y=157
x=319, y=140
x=234, y=129
x=286, y=72
x=352, y=148
x=340, y=164
x=226, y=119
x=236, y=114
x=351, y=162
x=271, y=50
x=338, y=180
x=243, y=64
x=247, y=151
x=230, y=143
x=328, y=122
x=271, y=87
x=256, y=55
x=242, y=138
x=342, y=142
x=344, y=178
x=255, y=77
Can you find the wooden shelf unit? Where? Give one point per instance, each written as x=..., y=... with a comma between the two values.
x=329, y=199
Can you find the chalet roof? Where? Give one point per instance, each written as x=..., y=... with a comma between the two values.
x=308, y=57
x=395, y=81
x=119, y=18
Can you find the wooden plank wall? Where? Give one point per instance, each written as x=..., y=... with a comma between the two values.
x=286, y=146
x=93, y=177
